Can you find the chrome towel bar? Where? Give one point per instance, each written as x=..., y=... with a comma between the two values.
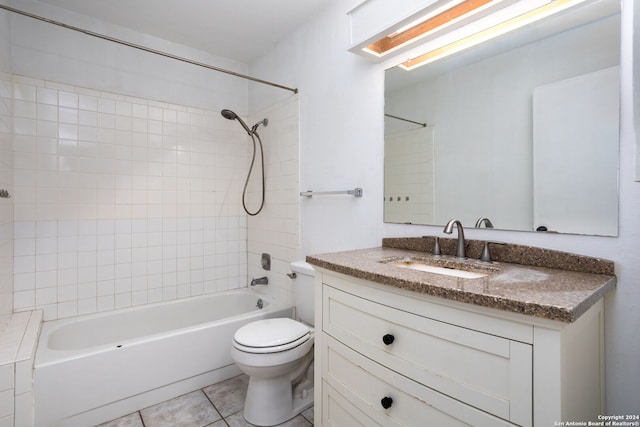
x=356, y=192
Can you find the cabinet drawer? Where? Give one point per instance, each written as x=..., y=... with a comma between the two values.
x=488, y=372
x=338, y=411
x=363, y=383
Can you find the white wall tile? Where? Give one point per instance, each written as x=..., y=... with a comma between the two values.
x=46, y=245
x=24, y=264
x=46, y=279
x=276, y=229
x=23, y=376
x=123, y=300
x=24, y=409
x=7, y=378
x=24, y=229
x=87, y=289
x=24, y=300
x=50, y=311
x=46, y=296
x=87, y=306
x=46, y=262
x=68, y=99
x=67, y=309
x=120, y=199
x=24, y=281
x=88, y=102
x=7, y=421
x=26, y=92
x=6, y=403
x=154, y=295
x=46, y=96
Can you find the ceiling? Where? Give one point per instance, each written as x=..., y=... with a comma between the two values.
x=236, y=29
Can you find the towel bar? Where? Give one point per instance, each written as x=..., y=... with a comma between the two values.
x=356, y=192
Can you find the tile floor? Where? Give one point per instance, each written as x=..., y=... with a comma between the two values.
x=217, y=405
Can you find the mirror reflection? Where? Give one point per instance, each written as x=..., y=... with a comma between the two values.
x=522, y=130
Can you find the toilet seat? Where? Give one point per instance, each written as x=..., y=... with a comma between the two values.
x=271, y=336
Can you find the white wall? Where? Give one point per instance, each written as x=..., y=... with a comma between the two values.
x=636, y=81
x=340, y=129
x=45, y=51
x=6, y=166
x=5, y=41
x=341, y=125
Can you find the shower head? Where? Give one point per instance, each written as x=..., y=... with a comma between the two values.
x=230, y=115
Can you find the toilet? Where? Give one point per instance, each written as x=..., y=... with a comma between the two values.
x=277, y=355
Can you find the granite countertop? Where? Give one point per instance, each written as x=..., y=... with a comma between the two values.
x=531, y=285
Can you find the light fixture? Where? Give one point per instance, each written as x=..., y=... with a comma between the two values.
x=513, y=22
x=446, y=16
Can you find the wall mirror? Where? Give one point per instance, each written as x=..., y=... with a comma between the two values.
x=522, y=129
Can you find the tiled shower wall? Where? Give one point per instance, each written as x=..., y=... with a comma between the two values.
x=122, y=201
x=276, y=230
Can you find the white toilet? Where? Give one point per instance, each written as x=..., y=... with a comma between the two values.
x=277, y=355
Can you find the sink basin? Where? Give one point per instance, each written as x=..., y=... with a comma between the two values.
x=444, y=266
x=447, y=271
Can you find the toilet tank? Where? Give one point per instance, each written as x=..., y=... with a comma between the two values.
x=303, y=290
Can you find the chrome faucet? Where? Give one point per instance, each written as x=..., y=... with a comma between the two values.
x=260, y=281
x=460, y=252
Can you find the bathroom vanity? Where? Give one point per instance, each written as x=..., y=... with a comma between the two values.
x=517, y=344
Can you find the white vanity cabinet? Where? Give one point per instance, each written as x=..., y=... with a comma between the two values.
x=386, y=356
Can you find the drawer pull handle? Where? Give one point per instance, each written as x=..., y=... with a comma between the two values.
x=386, y=402
x=388, y=339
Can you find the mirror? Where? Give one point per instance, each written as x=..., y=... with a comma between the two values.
x=523, y=130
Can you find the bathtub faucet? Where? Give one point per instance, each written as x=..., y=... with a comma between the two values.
x=260, y=281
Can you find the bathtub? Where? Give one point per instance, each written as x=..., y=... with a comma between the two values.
x=98, y=367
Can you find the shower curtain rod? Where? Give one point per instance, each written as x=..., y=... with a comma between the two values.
x=146, y=49
x=424, y=125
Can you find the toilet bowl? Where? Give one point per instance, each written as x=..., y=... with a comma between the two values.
x=277, y=355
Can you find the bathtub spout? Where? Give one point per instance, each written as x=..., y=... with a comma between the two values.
x=260, y=281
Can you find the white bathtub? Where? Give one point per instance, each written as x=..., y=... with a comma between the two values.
x=98, y=367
